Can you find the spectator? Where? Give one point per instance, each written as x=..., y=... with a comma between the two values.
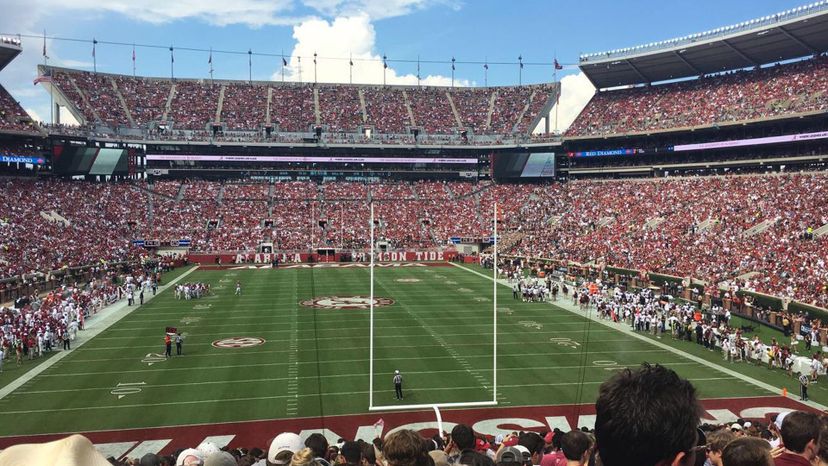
x=462, y=447
x=405, y=448
x=304, y=457
x=533, y=443
x=716, y=442
x=801, y=437
x=577, y=447
x=647, y=417
x=282, y=448
x=748, y=451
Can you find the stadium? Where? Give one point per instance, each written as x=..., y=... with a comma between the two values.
x=194, y=265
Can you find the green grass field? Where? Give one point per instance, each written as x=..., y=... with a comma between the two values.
x=315, y=362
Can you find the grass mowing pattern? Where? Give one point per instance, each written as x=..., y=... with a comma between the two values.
x=315, y=361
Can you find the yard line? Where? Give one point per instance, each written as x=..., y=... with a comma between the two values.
x=337, y=338
x=335, y=329
x=314, y=377
x=340, y=348
x=338, y=361
x=329, y=394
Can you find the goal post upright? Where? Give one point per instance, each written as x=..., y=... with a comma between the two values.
x=494, y=308
x=371, y=317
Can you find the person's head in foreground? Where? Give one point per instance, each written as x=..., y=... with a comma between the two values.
x=647, y=417
x=801, y=434
x=747, y=451
x=406, y=448
x=577, y=447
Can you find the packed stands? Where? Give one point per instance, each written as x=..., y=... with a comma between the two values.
x=146, y=98
x=123, y=101
x=340, y=108
x=12, y=115
x=432, y=110
x=194, y=105
x=746, y=231
x=774, y=91
x=292, y=108
x=244, y=106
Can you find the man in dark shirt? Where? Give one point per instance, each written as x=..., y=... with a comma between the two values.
x=800, y=435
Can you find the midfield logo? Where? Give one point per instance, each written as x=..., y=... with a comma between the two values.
x=346, y=302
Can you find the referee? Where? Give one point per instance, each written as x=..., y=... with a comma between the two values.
x=804, y=381
x=398, y=385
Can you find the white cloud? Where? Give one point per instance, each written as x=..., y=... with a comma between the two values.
x=346, y=36
x=34, y=114
x=576, y=90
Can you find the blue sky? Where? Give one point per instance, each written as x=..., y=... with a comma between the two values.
x=401, y=29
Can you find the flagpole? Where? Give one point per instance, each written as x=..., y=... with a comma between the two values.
x=520, y=70
x=284, y=64
x=418, y=71
x=314, y=67
x=452, y=71
x=250, y=66
x=172, y=64
x=384, y=67
x=94, y=59
x=486, y=73
x=350, y=68
x=133, y=60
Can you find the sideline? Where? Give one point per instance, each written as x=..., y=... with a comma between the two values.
x=106, y=318
x=625, y=329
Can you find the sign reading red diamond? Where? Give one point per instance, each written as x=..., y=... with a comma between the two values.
x=239, y=342
x=346, y=302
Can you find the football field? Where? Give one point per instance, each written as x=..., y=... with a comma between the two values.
x=295, y=344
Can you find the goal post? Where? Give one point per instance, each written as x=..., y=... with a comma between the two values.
x=372, y=407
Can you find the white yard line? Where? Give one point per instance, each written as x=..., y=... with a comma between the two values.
x=104, y=319
x=627, y=330
x=278, y=397
x=339, y=361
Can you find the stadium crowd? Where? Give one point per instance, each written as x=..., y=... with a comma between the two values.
x=12, y=115
x=647, y=416
x=135, y=102
x=743, y=232
x=736, y=96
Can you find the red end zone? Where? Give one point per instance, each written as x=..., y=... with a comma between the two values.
x=487, y=421
x=324, y=265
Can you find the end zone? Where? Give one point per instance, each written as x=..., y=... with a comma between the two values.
x=487, y=421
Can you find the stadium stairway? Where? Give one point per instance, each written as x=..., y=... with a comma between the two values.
x=220, y=105
x=821, y=231
x=454, y=110
x=362, y=108
x=269, y=101
x=489, y=113
x=759, y=228
x=604, y=221
x=653, y=222
x=706, y=225
x=407, y=103
x=124, y=105
x=523, y=112
x=168, y=105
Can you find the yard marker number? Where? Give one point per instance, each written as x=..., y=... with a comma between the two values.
x=565, y=342
x=124, y=389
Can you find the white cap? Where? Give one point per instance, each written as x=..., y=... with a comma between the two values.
x=286, y=441
x=207, y=449
x=396, y=372
x=187, y=453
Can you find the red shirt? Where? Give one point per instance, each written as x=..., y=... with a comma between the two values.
x=790, y=459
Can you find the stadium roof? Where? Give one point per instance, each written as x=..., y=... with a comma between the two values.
x=789, y=35
x=9, y=49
